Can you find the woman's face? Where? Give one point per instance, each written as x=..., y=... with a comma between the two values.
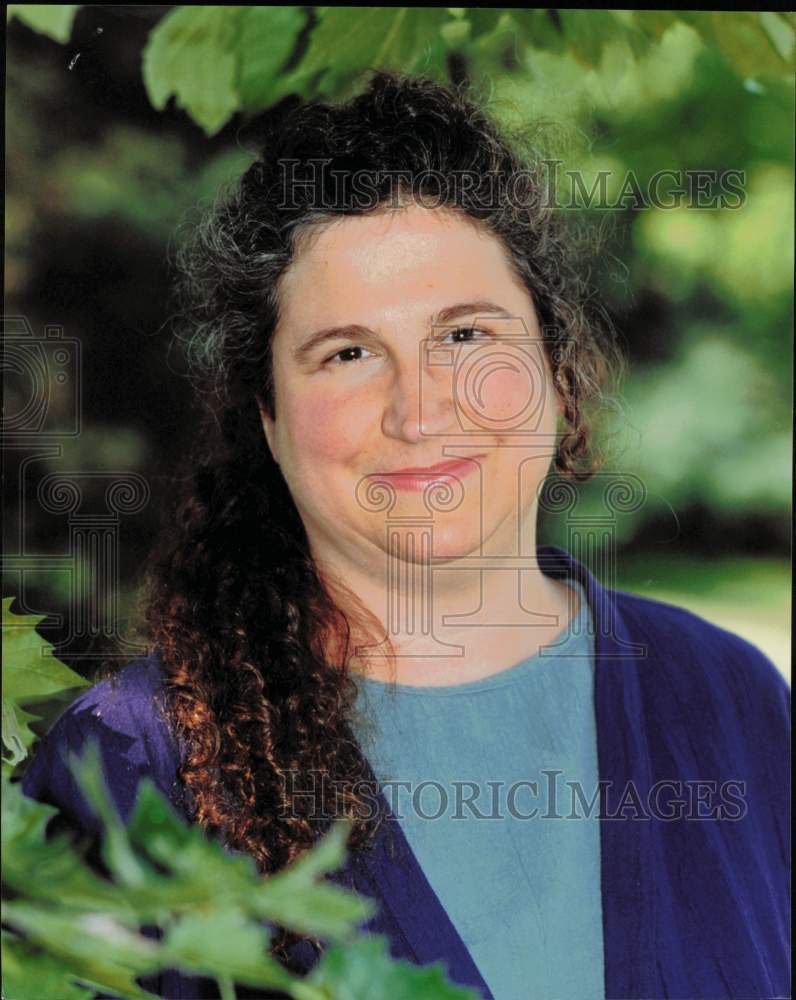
x=359, y=394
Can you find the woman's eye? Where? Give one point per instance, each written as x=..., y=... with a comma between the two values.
x=344, y=356
x=469, y=333
x=464, y=335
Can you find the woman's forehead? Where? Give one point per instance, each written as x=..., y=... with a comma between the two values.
x=384, y=223
x=386, y=255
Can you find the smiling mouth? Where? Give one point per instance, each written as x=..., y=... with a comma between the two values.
x=419, y=479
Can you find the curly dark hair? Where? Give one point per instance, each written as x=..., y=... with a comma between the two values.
x=253, y=646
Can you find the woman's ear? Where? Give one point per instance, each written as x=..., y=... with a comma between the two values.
x=268, y=427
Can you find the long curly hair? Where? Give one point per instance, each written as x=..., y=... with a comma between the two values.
x=253, y=646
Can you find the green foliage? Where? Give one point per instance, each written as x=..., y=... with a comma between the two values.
x=28, y=972
x=145, y=181
x=71, y=931
x=241, y=51
x=51, y=19
x=216, y=61
x=31, y=675
x=192, y=55
x=735, y=458
x=756, y=44
x=347, y=41
x=267, y=40
x=364, y=971
x=210, y=904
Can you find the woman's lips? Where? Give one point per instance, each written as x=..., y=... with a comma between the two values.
x=419, y=479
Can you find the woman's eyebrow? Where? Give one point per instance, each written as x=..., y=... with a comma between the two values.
x=350, y=330
x=305, y=349
x=483, y=306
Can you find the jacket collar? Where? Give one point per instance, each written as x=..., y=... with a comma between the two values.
x=390, y=872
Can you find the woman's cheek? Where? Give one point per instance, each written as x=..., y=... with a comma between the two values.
x=514, y=399
x=327, y=426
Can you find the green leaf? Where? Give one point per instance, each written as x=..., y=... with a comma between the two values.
x=744, y=40
x=185, y=850
x=29, y=973
x=30, y=671
x=541, y=29
x=18, y=737
x=49, y=870
x=203, y=872
x=52, y=19
x=364, y=971
x=322, y=909
x=99, y=949
x=267, y=39
x=349, y=40
x=456, y=33
x=24, y=819
x=780, y=33
x=483, y=20
x=295, y=898
x=116, y=848
x=655, y=22
x=587, y=32
x=746, y=45
x=30, y=674
x=328, y=854
x=192, y=54
x=224, y=944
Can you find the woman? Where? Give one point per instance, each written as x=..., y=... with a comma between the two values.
x=394, y=344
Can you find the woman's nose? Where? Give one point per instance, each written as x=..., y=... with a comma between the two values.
x=419, y=404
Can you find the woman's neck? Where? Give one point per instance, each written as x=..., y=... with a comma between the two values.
x=451, y=623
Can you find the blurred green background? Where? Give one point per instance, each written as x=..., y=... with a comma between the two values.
x=122, y=122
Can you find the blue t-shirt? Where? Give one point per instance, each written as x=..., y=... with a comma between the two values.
x=480, y=775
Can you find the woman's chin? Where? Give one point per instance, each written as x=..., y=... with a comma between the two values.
x=442, y=542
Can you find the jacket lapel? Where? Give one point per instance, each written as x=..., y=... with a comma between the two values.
x=392, y=873
x=627, y=863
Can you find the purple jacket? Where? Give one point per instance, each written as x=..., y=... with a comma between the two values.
x=696, y=905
